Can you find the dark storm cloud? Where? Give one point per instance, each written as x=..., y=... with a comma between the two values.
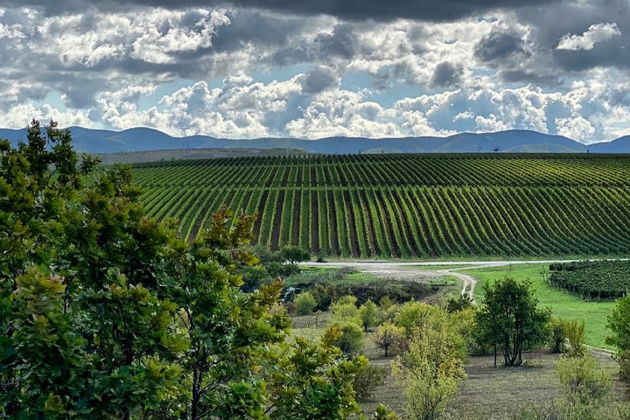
x=319, y=79
x=499, y=46
x=446, y=74
x=554, y=22
x=429, y=10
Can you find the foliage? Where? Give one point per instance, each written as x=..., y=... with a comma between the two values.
x=305, y=303
x=557, y=336
x=580, y=382
x=347, y=336
x=106, y=312
x=574, y=331
x=619, y=324
x=315, y=383
x=592, y=279
x=368, y=314
x=388, y=336
x=367, y=380
x=510, y=320
x=432, y=368
x=413, y=315
x=459, y=303
x=383, y=413
x=407, y=205
x=294, y=254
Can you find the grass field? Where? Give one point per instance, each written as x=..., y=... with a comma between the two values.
x=407, y=206
x=562, y=304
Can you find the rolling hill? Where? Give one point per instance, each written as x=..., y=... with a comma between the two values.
x=440, y=205
x=514, y=141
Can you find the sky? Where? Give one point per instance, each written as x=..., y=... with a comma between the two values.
x=319, y=68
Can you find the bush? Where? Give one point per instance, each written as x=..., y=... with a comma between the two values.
x=619, y=324
x=366, y=381
x=368, y=314
x=414, y=314
x=458, y=304
x=558, y=336
x=388, y=336
x=574, y=331
x=343, y=311
x=580, y=382
x=305, y=303
x=348, y=336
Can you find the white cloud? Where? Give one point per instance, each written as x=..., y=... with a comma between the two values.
x=586, y=41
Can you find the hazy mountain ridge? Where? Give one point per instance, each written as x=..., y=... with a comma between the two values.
x=513, y=141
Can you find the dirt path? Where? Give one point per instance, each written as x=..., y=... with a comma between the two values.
x=403, y=270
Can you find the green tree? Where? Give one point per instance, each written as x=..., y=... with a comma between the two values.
x=619, y=324
x=294, y=254
x=347, y=336
x=510, y=320
x=558, y=336
x=368, y=313
x=432, y=368
x=387, y=335
x=106, y=312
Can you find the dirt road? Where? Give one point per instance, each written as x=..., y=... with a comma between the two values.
x=404, y=270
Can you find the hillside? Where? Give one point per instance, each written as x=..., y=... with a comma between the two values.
x=407, y=205
x=512, y=141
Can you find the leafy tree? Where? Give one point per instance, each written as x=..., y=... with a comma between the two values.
x=106, y=312
x=432, y=368
x=619, y=324
x=387, y=335
x=314, y=383
x=510, y=320
x=305, y=303
x=368, y=314
x=367, y=380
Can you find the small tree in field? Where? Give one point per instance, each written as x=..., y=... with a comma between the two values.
x=368, y=314
x=619, y=324
x=510, y=320
x=387, y=335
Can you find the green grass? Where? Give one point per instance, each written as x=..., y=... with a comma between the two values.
x=562, y=304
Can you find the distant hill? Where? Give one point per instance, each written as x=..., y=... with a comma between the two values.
x=513, y=141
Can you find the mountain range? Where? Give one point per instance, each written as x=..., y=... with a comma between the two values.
x=512, y=141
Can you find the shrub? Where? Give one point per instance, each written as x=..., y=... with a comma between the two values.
x=580, y=382
x=414, y=314
x=619, y=324
x=367, y=380
x=387, y=336
x=557, y=336
x=574, y=331
x=305, y=303
x=345, y=312
x=368, y=314
x=348, y=336
x=459, y=304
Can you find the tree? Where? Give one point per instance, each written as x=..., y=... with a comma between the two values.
x=387, y=335
x=432, y=368
x=510, y=320
x=368, y=314
x=619, y=324
x=106, y=312
x=305, y=303
x=414, y=314
x=558, y=336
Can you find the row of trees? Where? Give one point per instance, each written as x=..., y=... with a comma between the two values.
x=104, y=311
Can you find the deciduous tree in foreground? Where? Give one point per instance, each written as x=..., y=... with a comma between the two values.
x=105, y=312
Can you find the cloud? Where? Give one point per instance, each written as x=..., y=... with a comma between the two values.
x=378, y=10
x=446, y=74
x=586, y=41
x=319, y=79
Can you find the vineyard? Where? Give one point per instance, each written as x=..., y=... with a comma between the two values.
x=592, y=279
x=406, y=205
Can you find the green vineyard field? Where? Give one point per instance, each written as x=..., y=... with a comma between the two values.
x=407, y=205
